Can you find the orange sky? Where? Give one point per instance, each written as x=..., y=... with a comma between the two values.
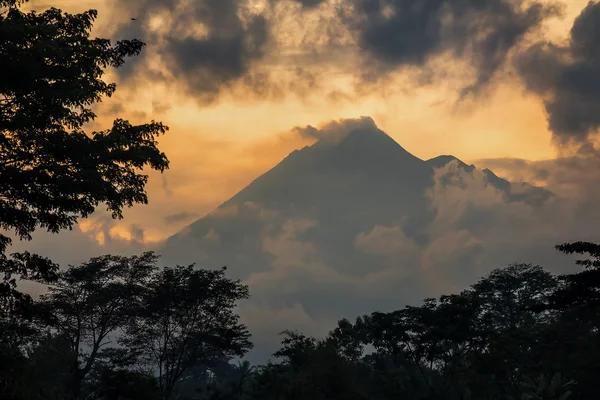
x=217, y=150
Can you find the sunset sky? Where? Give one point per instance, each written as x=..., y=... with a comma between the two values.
x=230, y=123
x=510, y=85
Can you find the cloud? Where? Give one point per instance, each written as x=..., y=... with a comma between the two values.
x=204, y=46
x=272, y=50
x=94, y=236
x=180, y=217
x=399, y=33
x=310, y=3
x=288, y=251
x=335, y=131
x=476, y=221
x=383, y=240
x=568, y=79
x=160, y=107
x=573, y=177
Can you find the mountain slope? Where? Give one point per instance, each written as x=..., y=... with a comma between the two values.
x=345, y=227
x=338, y=189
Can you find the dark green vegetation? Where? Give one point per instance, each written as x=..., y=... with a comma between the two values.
x=122, y=328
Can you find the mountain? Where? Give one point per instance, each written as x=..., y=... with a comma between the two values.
x=348, y=226
x=338, y=189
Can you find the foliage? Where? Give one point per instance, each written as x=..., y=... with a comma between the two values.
x=495, y=340
x=546, y=389
x=52, y=171
x=123, y=384
x=168, y=321
x=16, y=308
x=89, y=302
x=503, y=338
x=581, y=290
x=185, y=318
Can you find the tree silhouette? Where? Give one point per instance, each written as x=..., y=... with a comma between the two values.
x=186, y=318
x=89, y=302
x=53, y=171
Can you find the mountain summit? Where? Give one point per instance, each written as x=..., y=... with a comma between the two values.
x=338, y=188
x=351, y=224
x=351, y=173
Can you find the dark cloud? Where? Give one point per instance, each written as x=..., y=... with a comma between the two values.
x=180, y=217
x=310, y=3
x=137, y=114
x=568, y=78
x=207, y=46
x=115, y=108
x=208, y=64
x=398, y=33
x=212, y=46
x=137, y=232
x=160, y=108
x=165, y=185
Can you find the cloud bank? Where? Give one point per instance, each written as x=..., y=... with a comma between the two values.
x=567, y=77
x=272, y=49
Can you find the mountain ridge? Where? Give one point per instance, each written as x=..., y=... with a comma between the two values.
x=360, y=141
x=362, y=180
x=351, y=225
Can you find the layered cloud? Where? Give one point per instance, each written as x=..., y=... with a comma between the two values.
x=572, y=177
x=567, y=77
x=399, y=33
x=203, y=46
x=273, y=49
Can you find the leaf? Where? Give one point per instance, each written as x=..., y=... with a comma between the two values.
x=468, y=394
x=542, y=385
x=565, y=395
x=555, y=383
x=570, y=383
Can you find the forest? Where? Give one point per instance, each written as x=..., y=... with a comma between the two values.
x=123, y=328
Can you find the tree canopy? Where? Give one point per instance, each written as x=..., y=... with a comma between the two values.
x=115, y=327
x=52, y=171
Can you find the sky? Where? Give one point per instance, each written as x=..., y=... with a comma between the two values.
x=511, y=85
x=229, y=122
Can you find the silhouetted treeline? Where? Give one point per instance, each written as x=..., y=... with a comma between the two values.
x=121, y=328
